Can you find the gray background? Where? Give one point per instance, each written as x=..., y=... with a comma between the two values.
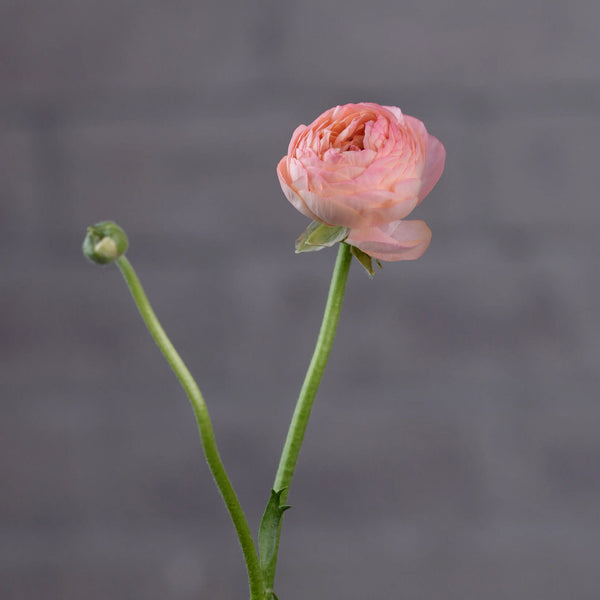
x=454, y=451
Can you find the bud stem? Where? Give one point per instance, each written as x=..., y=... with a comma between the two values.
x=295, y=436
x=257, y=588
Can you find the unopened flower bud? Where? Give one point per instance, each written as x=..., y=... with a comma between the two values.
x=104, y=242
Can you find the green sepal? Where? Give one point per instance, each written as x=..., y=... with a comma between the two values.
x=365, y=260
x=268, y=532
x=318, y=236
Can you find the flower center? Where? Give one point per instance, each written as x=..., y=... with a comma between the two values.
x=351, y=140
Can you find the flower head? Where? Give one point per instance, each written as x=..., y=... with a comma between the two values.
x=365, y=167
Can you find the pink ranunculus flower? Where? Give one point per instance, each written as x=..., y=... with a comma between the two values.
x=366, y=167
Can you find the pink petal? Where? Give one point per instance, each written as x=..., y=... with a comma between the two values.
x=330, y=211
x=401, y=240
x=290, y=192
x=359, y=209
x=396, y=112
x=295, y=138
x=434, y=153
x=434, y=166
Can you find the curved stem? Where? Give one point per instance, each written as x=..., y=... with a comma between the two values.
x=295, y=435
x=257, y=588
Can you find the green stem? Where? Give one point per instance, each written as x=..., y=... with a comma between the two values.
x=257, y=588
x=295, y=435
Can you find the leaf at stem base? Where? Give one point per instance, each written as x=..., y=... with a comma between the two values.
x=269, y=531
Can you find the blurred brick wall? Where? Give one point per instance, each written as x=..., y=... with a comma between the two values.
x=454, y=451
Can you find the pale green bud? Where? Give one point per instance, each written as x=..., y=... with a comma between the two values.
x=104, y=242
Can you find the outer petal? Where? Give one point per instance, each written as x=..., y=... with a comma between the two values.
x=434, y=166
x=298, y=132
x=361, y=209
x=400, y=240
x=330, y=210
x=290, y=192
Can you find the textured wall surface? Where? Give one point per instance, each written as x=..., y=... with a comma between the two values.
x=454, y=451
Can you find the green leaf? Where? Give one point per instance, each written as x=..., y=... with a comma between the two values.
x=318, y=236
x=365, y=260
x=269, y=531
